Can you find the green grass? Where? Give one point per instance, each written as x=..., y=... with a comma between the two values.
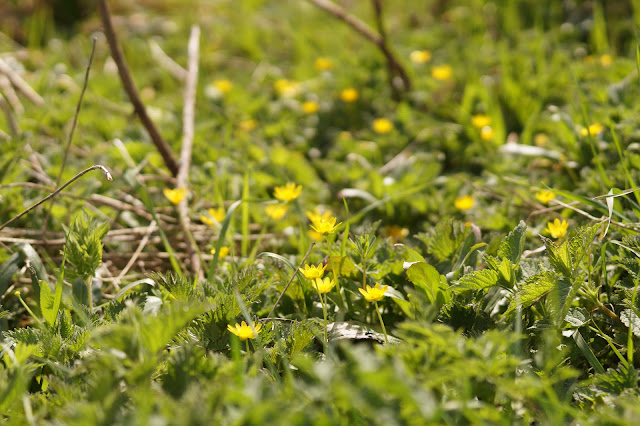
x=490, y=319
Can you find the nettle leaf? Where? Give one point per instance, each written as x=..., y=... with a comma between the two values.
x=631, y=320
x=532, y=290
x=478, y=280
x=83, y=246
x=443, y=241
x=562, y=297
x=579, y=244
x=47, y=304
x=342, y=266
x=559, y=256
x=426, y=277
x=513, y=245
x=577, y=317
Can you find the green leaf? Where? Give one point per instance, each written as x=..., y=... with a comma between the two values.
x=478, y=280
x=532, y=290
x=577, y=317
x=559, y=256
x=631, y=320
x=426, y=277
x=587, y=352
x=513, y=245
x=47, y=304
x=342, y=266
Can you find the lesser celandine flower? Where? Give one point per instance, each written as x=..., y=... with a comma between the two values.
x=276, y=211
x=243, y=331
x=349, y=95
x=288, y=192
x=480, y=120
x=312, y=272
x=420, y=56
x=309, y=107
x=592, y=130
x=175, y=195
x=324, y=286
x=541, y=139
x=217, y=214
x=224, y=252
x=396, y=233
x=315, y=215
x=325, y=226
x=464, y=203
x=545, y=196
x=323, y=64
x=382, y=125
x=442, y=72
x=223, y=85
x=207, y=221
x=606, y=60
x=557, y=228
x=487, y=133
x=375, y=293
x=286, y=87
x=315, y=236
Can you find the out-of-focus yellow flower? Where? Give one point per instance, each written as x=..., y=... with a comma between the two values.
x=286, y=87
x=382, y=125
x=323, y=64
x=396, y=233
x=207, y=220
x=224, y=252
x=223, y=86
x=349, y=95
x=315, y=215
x=276, y=211
x=487, y=133
x=606, y=60
x=309, y=107
x=288, y=192
x=420, y=56
x=442, y=72
x=544, y=196
x=480, y=120
x=217, y=214
x=248, y=125
x=557, y=228
x=374, y=294
x=464, y=203
x=325, y=225
x=541, y=139
x=324, y=286
x=175, y=195
x=243, y=331
x=315, y=236
x=312, y=272
x=592, y=130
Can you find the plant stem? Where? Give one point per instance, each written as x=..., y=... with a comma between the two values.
x=384, y=330
x=247, y=343
x=17, y=293
x=324, y=313
x=90, y=296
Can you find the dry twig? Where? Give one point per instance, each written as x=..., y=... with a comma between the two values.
x=20, y=84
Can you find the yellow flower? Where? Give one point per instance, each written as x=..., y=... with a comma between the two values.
x=217, y=214
x=175, y=195
x=313, y=272
x=420, y=56
x=309, y=107
x=286, y=87
x=315, y=236
x=382, y=125
x=396, y=233
x=276, y=211
x=374, y=294
x=480, y=120
x=545, y=196
x=464, y=203
x=315, y=215
x=593, y=130
x=541, y=139
x=487, y=133
x=207, y=221
x=248, y=125
x=323, y=64
x=442, y=72
x=243, y=331
x=324, y=225
x=224, y=252
x=223, y=86
x=349, y=95
x=288, y=192
x=324, y=286
x=557, y=228
x=606, y=60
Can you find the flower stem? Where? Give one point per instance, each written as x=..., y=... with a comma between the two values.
x=324, y=314
x=90, y=296
x=384, y=330
x=247, y=343
x=17, y=293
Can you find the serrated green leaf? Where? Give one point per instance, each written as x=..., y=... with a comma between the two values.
x=532, y=290
x=478, y=280
x=342, y=266
x=513, y=245
x=631, y=320
x=506, y=270
x=559, y=256
x=577, y=317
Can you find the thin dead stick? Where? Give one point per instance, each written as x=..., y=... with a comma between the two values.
x=166, y=62
x=188, y=113
x=369, y=34
x=73, y=128
x=13, y=125
x=143, y=243
x=10, y=94
x=291, y=280
x=57, y=191
x=129, y=87
x=20, y=84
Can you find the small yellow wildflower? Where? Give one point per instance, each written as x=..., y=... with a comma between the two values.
x=207, y=220
x=541, y=139
x=315, y=215
x=223, y=86
x=324, y=286
x=323, y=64
x=420, y=56
x=217, y=214
x=315, y=236
x=382, y=125
x=464, y=203
x=248, y=125
x=557, y=228
x=487, y=133
x=396, y=233
x=545, y=196
x=442, y=72
x=593, y=129
x=606, y=60
x=374, y=294
x=309, y=107
x=312, y=272
x=243, y=331
x=480, y=120
x=325, y=226
x=349, y=95
x=288, y=192
x=286, y=87
x=276, y=211
x=224, y=252
x=175, y=195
